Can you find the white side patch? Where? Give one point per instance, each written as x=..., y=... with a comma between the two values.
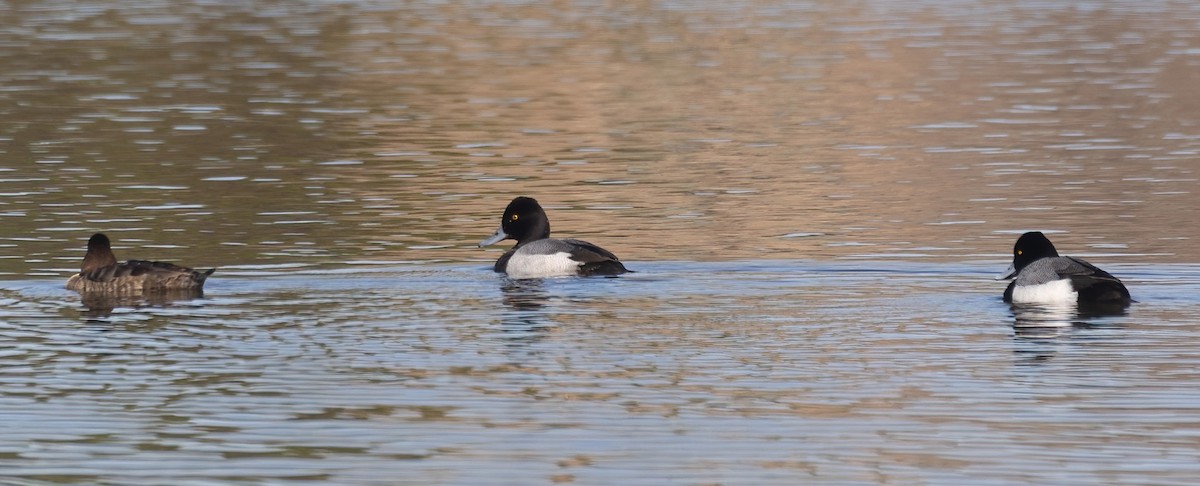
x=534, y=266
x=1056, y=292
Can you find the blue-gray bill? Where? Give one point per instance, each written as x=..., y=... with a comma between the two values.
x=496, y=237
x=1010, y=273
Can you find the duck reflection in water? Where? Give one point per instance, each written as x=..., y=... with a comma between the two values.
x=1048, y=321
x=524, y=295
x=525, y=315
x=1041, y=330
x=100, y=305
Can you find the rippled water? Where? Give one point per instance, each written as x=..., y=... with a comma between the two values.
x=741, y=372
x=815, y=196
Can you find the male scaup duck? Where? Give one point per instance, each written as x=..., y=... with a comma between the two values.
x=1044, y=277
x=537, y=255
x=102, y=273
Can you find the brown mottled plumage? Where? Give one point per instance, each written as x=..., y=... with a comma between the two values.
x=102, y=273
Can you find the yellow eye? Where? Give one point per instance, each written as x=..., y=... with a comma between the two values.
x=1020, y=252
x=515, y=217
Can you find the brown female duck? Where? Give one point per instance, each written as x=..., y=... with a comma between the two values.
x=102, y=273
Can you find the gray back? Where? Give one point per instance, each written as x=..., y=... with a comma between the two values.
x=1050, y=269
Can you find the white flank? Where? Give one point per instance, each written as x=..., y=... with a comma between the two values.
x=1056, y=292
x=535, y=266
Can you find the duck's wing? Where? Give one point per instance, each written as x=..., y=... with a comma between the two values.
x=588, y=253
x=1092, y=283
x=162, y=273
x=596, y=260
x=1077, y=267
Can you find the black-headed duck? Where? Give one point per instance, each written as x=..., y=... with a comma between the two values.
x=537, y=255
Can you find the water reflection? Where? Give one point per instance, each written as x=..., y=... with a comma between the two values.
x=319, y=134
x=1042, y=331
x=100, y=306
x=288, y=136
x=524, y=315
x=1048, y=321
x=317, y=372
x=524, y=294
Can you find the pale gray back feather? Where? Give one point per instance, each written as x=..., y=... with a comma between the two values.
x=579, y=250
x=545, y=246
x=1050, y=269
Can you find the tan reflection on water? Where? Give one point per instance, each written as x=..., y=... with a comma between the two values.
x=892, y=133
x=291, y=134
x=331, y=133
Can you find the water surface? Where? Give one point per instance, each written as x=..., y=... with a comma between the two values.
x=815, y=196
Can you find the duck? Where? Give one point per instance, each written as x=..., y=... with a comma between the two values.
x=536, y=255
x=1041, y=276
x=101, y=273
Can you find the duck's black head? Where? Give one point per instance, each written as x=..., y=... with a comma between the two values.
x=524, y=220
x=1030, y=247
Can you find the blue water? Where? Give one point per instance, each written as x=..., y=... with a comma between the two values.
x=815, y=197
x=743, y=372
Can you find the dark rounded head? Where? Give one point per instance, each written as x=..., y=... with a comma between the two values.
x=1031, y=247
x=99, y=253
x=99, y=242
x=524, y=220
